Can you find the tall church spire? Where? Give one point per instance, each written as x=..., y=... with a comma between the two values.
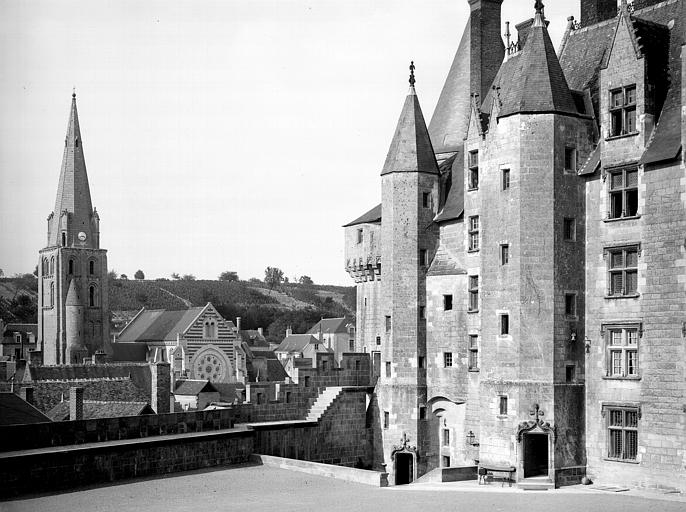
x=72, y=222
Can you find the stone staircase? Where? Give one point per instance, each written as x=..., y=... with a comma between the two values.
x=323, y=402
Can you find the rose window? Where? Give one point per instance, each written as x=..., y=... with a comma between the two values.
x=210, y=366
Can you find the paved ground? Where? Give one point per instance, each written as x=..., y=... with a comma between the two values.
x=258, y=488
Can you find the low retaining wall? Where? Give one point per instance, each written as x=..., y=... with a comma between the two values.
x=458, y=474
x=360, y=476
x=68, y=467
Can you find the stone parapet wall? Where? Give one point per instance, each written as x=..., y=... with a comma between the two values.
x=62, y=433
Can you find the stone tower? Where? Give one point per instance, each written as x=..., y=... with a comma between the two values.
x=73, y=313
x=409, y=191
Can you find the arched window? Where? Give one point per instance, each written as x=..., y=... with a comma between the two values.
x=52, y=265
x=64, y=239
x=91, y=267
x=91, y=296
x=52, y=295
x=71, y=267
x=45, y=266
x=210, y=329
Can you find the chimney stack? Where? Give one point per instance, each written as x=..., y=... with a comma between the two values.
x=160, y=387
x=75, y=403
x=238, y=323
x=595, y=11
x=260, y=330
x=487, y=48
x=289, y=331
x=27, y=394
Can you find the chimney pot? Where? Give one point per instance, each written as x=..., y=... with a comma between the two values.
x=75, y=403
x=238, y=323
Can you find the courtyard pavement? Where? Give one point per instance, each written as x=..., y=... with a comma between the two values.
x=262, y=488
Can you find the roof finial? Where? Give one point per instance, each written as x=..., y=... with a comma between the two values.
x=412, y=80
x=73, y=92
x=539, y=7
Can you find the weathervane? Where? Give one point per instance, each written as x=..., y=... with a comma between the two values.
x=412, y=80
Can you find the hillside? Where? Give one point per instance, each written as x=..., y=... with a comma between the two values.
x=296, y=305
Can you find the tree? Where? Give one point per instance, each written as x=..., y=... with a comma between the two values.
x=188, y=277
x=273, y=277
x=112, y=274
x=124, y=277
x=139, y=274
x=175, y=276
x=228, y=275
x=305, y=280
x=1, y=273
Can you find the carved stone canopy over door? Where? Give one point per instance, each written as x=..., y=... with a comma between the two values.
x=536, y=425
x=404, y=455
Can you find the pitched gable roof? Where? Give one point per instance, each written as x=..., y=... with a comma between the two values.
x=453, y=208
x=194, y=387
x=95, y=409
x=296, y=343
x=158, y=325
x=16, y=411
x=445, y=263
x=331, y=326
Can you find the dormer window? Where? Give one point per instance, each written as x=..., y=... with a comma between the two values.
x=473, y=176
x=623, y=111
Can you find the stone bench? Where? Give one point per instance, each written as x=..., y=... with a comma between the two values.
x=503, y=473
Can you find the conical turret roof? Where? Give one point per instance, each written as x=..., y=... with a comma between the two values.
x=411, y=149
x=73, y=191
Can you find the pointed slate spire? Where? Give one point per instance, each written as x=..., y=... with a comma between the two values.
x=411, y=149
x=537, y=83
x=73, y=191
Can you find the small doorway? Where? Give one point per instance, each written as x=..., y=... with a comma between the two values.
x=535, y=455
x=403, y=468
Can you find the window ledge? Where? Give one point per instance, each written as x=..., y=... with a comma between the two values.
x=632, y=296
x=472, y=250
x=502, y=416
x=625, y=461
x=615, y=219
x=622, y=136
x=472, y=311
x=617, y=377
x=472, y=189
x=474, y=370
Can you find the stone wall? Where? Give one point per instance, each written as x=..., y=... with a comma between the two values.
x=71, y=467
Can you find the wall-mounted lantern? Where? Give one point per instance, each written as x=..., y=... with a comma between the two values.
x=471, y=439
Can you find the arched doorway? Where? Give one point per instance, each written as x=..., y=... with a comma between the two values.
x=404, y=457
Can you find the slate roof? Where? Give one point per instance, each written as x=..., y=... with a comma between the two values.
x=194, y=387
x=371, y=217
x=123, y=351
x=253, y=338
x=94, y=409
x=158, y=325
x=536, y=82
x=585, y=51
x=73, y=298
x=592, y=162
x=296, y=343
x=411, y=149
x=229, y=392
x=445, y=264
x=16, y=411
x=11, y=328
x=453, y=208
x=275, y=371
x=331, y=326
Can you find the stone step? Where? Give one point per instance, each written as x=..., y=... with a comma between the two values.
x=323, y=402
x=536, y=484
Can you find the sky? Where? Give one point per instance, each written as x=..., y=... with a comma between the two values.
x=218, y=135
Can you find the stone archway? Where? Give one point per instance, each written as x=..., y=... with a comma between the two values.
x=404, y=457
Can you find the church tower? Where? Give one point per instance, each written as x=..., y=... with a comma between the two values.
x=73, y=313
x=409, y=191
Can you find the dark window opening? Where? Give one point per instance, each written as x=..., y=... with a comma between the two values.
x=91, y=296
x=503, y=405
x=622, y=433
x=506, y=179
x=421, y=362
x=623, y=194
x=378, y=340
x=388, y=369
x=570, y=304
x=388, y=323
x=504, y=254
x=570, y=159
x=447, y=302
x=386, y=419
x=426, y=200
x=473, y=293
x=570, y=371
x=446, y=437
x=423, y=258
x=71, y=267
x=504, y=324
x=446, y=461
x=91, y=267
x=569, y=229
x=447, y=359
x=422, y=412
x=473, y=176
x=422, y=312
x=623, y=111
